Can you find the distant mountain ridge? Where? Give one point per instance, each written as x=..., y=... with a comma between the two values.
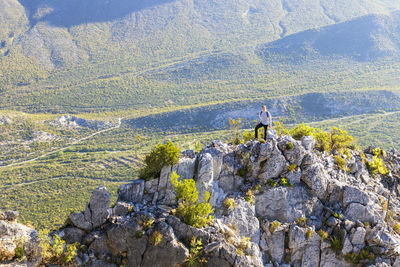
x=366, y=38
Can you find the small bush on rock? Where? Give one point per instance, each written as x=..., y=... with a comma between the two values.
x=55, y=250
x=336, y=244
x=274, y=225
x=340, y=162
x=289, y=145
x=322, y=234
x=309, y=234
x=376, y=165
x=292, y=167
x=194, y=213
x=249, y=197
x=19, y=252
x=302, y=221
x=155, y=238
x=302, y=130
x=194, y=259
x=229, y=203
x=160, y=156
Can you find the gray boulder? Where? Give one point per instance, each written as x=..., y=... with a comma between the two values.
x=358, y=212
x=132, y=192
x=293, y=155
x=354, y=195
x=99, y=206
x=308, y=142
x=287, y=204
x=316, y=178
x=205, y=175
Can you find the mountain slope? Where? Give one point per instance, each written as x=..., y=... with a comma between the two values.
x=363, y=39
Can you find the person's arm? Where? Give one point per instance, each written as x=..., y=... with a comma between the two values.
x=259, y=116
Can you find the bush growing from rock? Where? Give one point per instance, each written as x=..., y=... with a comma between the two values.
x=194, y=213
x=160, y=156
x=302, y=130
x=322, y=234
x=235, y=126
x=336, y=244
x=274, y=225
x=229, y=203
x=292, y=167
x=249, y=197
x=155, y=238
x=194, y=259
x=55, y=250
x=289, y=145
x=247, y=135
x=309, y=234
x=302, y=221
x=376, y=165
x=340, y=162
x=19, y=252
x=243, y=245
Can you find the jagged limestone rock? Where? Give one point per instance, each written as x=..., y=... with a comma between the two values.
x=295, y=154
x=315, y=176
x=308, y=142
x=287, y=204
x=132, y=192
x=352, y=194
x=205, y=175
x=99, y=206
x=244, y=217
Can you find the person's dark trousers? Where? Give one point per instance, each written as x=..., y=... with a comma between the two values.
x=258, y=126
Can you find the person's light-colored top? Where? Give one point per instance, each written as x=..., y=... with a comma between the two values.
x=265, y=118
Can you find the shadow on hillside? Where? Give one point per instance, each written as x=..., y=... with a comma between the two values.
x=74, y=12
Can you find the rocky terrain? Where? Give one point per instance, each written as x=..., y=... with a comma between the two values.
x=289, y=205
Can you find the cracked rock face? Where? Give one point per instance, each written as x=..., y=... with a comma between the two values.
x=287, y=203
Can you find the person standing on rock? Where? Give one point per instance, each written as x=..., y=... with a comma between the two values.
x=265, y=122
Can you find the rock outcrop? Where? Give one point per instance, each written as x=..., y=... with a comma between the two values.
x=293, y=207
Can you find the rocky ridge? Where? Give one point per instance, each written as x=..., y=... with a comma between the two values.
x=293, y=206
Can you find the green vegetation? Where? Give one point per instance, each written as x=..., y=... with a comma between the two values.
x=322, y=234
x=340, y=162
x=289, y=145
x=55, y=250
x=273, y=226
x=194, y=213
x=19, y=252
x=160, y=156
x=336, y=244
x=309, y=233
x=292, y=167
x=249, y=197
x=360, y=257
x=243, y=245
x=302, y=221
x=155, y=238
x=196, y=248
x=229, y=203
x=376, y=165
x=146, y=222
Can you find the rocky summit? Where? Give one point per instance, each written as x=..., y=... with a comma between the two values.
x=276, y=203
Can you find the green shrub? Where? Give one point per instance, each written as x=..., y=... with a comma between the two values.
x=194, y=213
x=19, y=252
x=229, y=203
x=249, y=197
x=55, y=250
x=340, y=162
x=302, y=221
x=289, y=145
x=302, y=130
x=242, y=172
x=338, y=215
x=357, y=258
x=336, y=244
x=273, y=226
x=194, y=259
x=284, y=182
x=396, y=228
x=146, y=222
x=139, y=234
x=280, y=128
x=272, y=183
x=235, y=126
x=378, y=152
x=322, y=234
x=248, y=135
x=309, y=233
x=292, y=167
x=155, y=238
x=160, y=156
x=243, y=245
x=376, y=165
